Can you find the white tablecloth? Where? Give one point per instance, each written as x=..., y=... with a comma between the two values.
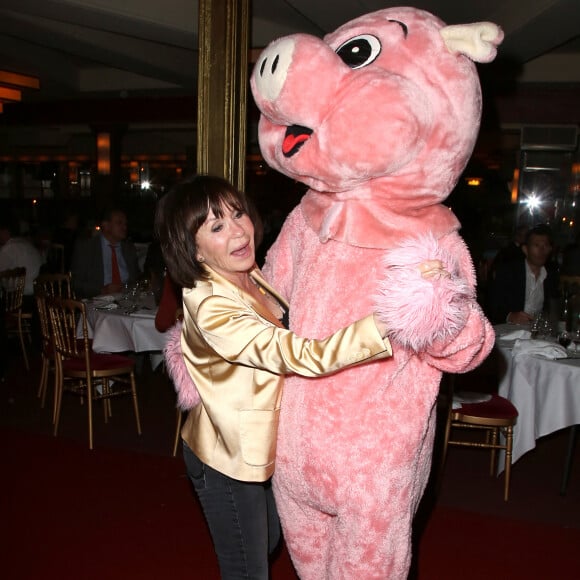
x=115, y=331
x=545, y=392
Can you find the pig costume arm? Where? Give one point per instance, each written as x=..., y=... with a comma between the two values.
x=439, y=318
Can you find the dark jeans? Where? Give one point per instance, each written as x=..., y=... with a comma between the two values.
x=241, y=516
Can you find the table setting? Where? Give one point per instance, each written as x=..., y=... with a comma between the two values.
x=541, y=377
x=125, y=321
x=136, y=300
x=544, y=343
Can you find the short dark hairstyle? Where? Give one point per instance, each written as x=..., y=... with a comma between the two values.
x=182, y=212
x=539, y=230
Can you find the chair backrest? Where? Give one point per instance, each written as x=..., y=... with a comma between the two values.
x=44, y=322
x=12, y=281
x=68, y=320
x=52, y=285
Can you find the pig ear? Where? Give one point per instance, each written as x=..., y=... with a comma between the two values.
x=477, y=41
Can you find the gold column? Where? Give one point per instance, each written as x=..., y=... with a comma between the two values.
x=222, y=88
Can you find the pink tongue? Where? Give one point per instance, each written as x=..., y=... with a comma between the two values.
x=291, y=141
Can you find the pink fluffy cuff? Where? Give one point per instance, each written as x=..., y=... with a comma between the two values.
x=187, y=394
x=418, y=311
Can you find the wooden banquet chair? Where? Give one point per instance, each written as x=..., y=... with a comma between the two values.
x=48, y=286
x=491, y=417
x=17, y=322
x=94, y=376
x=59, y=284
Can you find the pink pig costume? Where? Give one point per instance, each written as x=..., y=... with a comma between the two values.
x=379, y=119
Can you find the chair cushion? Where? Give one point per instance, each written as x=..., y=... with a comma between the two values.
x=496, y=408
x=99, y=362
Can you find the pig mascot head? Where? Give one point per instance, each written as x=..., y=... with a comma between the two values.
x=379, y=119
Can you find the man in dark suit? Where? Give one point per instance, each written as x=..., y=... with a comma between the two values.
x=104, y=263
x=523, y=287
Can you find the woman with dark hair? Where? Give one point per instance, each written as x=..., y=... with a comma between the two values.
x=169, y=310
x=237, y=349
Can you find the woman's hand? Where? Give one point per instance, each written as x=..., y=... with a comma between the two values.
x=433, y=269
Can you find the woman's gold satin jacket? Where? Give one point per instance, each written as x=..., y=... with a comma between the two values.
x=237, y=353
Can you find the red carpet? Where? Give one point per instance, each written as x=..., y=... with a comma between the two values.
x=73, y=514
x=459, y=545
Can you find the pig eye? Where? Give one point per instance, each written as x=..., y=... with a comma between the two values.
x=359, y=51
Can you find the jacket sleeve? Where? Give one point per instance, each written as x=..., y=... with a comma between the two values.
x=506, y=291
x=241, y=336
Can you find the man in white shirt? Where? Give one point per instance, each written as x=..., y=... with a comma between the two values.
x=524, y=287
x=17, y=252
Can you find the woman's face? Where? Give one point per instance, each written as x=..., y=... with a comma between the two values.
x=226, y=244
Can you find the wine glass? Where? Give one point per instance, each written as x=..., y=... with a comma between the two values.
x=564, y=338
x=537, y=324
x=546, y=328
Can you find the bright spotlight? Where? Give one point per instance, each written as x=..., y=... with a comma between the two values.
x=145, y=184
x=533, y=202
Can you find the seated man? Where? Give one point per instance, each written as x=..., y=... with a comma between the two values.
x=524, y=287
x=17, y=252
x=104, y=263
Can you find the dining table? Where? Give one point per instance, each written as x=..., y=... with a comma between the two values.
x=115, y=327
x=544, y=389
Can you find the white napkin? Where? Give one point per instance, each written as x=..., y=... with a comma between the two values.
x=515, y=334
x=106, y=305
x=541, y=348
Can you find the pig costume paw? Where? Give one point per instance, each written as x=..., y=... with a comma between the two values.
x=187, y=394
x=418, y=311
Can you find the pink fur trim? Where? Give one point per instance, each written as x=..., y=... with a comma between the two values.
x=187, y=394
x=419, y=311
